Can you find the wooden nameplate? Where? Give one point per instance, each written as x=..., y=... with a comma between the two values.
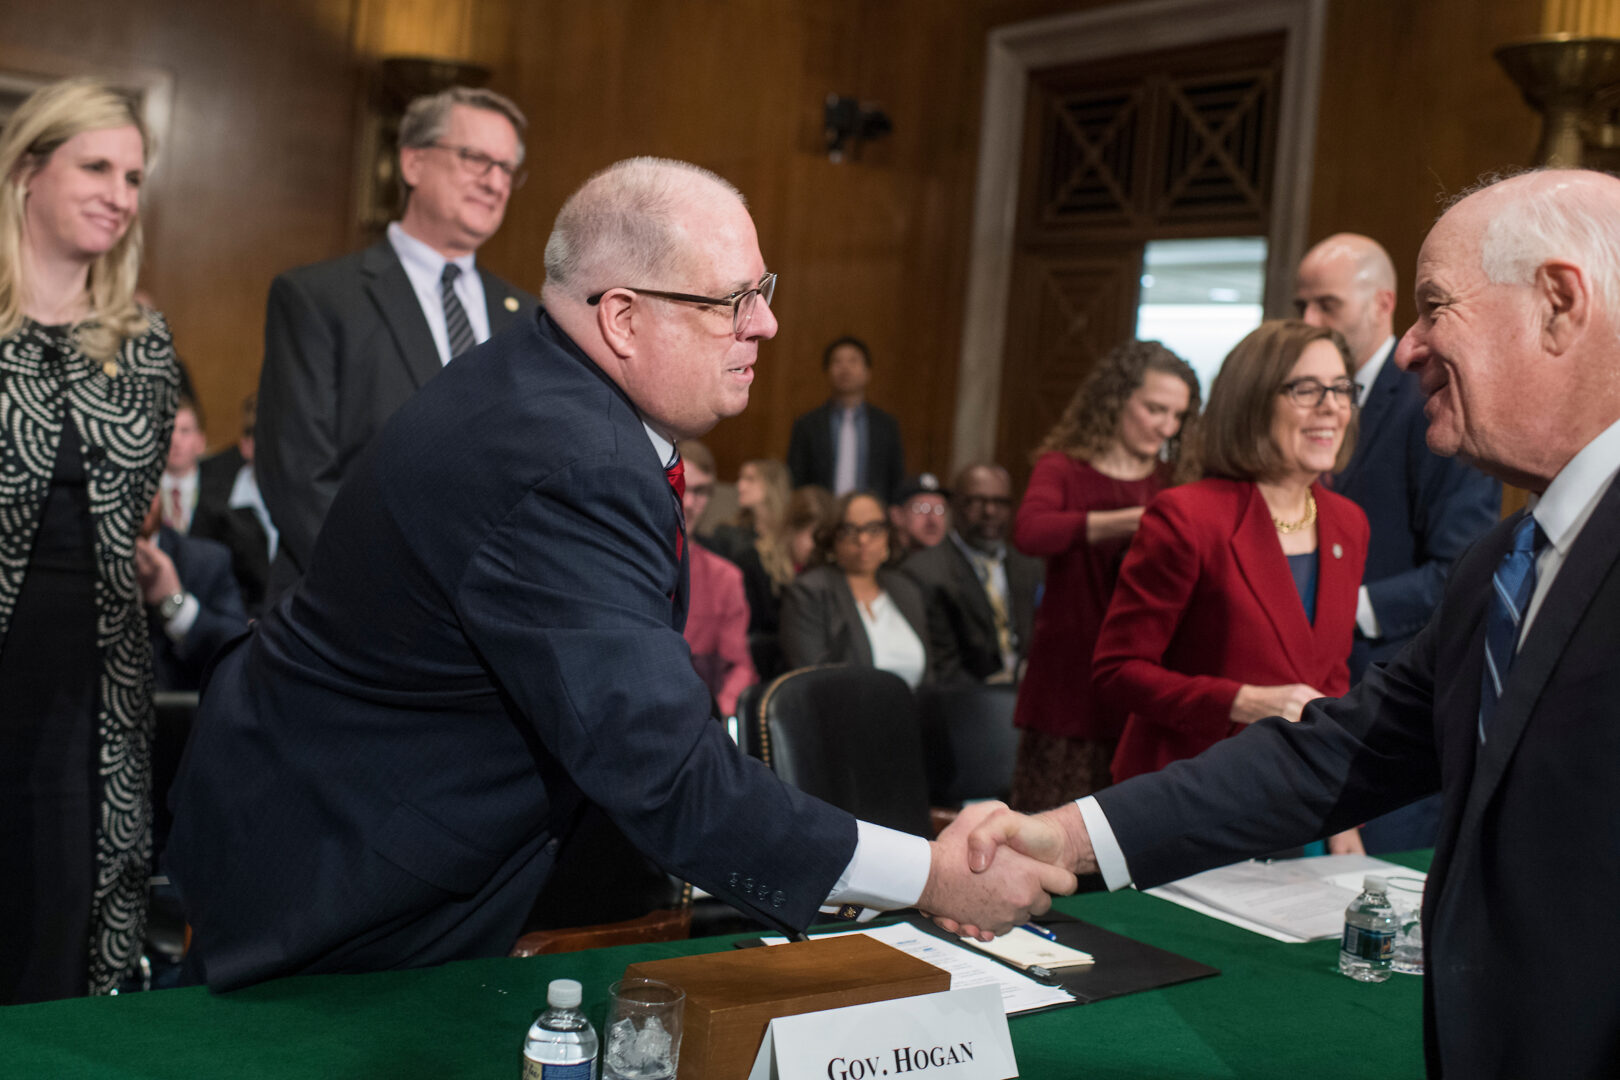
x=732, y=996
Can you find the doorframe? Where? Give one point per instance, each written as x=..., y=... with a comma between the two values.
x=1014, y=51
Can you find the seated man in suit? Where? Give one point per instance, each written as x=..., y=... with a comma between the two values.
x=346, y=342
x=921, y=512
x=489, y=637
x=1424, y=509
x=1504, y=702
x=981, y=593
x=231, y=510
x=848, y=444
x=179, y=487
x=192, y=603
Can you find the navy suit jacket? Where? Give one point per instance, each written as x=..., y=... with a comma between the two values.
x=204, y=569
x=812, y=458
x=1424, y=511
x=345, y=345
x=1521, y=940
x=488, y=635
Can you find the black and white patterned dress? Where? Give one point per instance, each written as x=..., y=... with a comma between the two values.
x=80, y=432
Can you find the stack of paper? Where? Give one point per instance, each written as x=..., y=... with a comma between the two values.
x=1291, y=900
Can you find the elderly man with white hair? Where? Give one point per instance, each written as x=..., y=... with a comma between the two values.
x=1504, y=703
x=489, y=636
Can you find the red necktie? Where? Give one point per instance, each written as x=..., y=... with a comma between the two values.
x=176, y=515
x=676, y=474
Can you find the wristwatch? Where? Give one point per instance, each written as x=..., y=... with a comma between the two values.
x=170, y=606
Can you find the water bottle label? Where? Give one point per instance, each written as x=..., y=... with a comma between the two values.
x=1377, y=946
x=577, y=1070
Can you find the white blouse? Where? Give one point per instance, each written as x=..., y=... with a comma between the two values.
x=895, y=645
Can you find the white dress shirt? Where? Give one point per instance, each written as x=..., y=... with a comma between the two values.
x=895, y=645
x=1562, y=511
x=1366, y=375
x=889, y=868
x=425, y=268
x=187, y=487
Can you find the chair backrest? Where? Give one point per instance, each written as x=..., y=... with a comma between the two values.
x=969, y=741
x=849, y=735
x=748, y=720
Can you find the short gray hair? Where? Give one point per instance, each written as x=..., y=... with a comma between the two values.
x=1554, y=221
x=427, y=117
x=622, y=221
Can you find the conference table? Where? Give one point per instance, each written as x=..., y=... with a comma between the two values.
x=1275, y=1010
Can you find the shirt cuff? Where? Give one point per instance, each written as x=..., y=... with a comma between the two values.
x=888, y=870
x=1366, y=618
x=178, y=627
x=1110, y=859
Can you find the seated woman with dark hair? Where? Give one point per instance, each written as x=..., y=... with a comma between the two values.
x=855, y=608
x=1237, y=599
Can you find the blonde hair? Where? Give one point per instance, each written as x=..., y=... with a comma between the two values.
x=769, y=520
x=48, y=118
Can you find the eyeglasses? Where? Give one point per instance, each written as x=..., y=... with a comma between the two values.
x=478, y=163
x=870, y=531
x=923, y=509
x=1309, y=393
x=742, y=302
x=988, y=502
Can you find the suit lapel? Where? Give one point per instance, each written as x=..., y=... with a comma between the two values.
x=1265, y=568
x=1562, y=609
x=1332, y=625
x=391, y=291
x=853, y=627
x=502, y=300
x=1380, y=400
x=971, y=587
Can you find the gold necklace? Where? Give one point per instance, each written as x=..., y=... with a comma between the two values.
x=1305, y=522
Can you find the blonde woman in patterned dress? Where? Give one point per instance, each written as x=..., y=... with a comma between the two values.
x=88, y=383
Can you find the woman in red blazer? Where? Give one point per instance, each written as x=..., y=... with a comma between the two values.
x=1112, y=450
x=1237, y=600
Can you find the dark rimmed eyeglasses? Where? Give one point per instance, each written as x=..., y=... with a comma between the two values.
x=742, y=302
x=479, y=163
x=871, y=530
x=1309, y=393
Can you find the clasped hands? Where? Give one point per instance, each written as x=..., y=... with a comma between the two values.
x=993, y=868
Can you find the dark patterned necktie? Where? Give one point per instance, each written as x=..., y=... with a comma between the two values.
x=1512, y=586
x=676, y=475
x=456, y=326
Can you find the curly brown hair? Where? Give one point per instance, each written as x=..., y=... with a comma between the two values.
x=1090, y=422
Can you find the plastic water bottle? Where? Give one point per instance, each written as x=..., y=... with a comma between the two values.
x=1370, y=926
x=561, y=1043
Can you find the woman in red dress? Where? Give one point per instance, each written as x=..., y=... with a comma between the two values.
x=1237, y=600
x=1115, y=446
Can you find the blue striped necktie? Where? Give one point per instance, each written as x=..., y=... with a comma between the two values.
x=457, y=328
x=1511, y=588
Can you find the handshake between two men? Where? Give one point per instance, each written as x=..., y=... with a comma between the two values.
x=977, y=890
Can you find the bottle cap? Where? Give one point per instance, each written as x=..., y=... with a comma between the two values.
x=1370, y=883
x=563, y=994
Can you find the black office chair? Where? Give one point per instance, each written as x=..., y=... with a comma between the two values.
x=969, y=742
x=748, y=719
x=848, y=735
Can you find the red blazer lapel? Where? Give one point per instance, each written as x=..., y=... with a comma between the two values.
x=1260, y=558
x=1340, y=557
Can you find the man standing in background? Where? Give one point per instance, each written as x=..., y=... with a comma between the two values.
x=847, y=444
x=1424, y=509
x=346, y=342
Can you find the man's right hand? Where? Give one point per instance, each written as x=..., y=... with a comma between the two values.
x=985, y=902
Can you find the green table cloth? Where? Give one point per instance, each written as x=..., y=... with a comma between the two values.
x=1275, y=1011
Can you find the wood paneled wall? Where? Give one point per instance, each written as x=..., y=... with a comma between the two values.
x=257, y=174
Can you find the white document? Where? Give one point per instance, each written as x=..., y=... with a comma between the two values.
x=956, y=1035
x=1291, y=900
x=968, y=969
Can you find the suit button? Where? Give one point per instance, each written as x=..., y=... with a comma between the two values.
x=551, y=846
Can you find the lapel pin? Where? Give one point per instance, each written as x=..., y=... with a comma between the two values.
x=110, y=369
x=511, y=303
x=1338, y=552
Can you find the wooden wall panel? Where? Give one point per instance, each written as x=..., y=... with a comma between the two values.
x=257, y=176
